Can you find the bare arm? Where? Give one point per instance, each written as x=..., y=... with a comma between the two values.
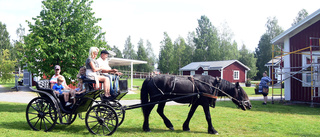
x=94, y=69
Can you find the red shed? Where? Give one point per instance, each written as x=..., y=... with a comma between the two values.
x=230, y=70
x=301, y=53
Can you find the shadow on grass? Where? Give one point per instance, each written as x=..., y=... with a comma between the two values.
x=153, y=130
x=275, y=108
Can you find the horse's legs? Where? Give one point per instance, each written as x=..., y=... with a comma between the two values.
x=164, y=118
x=206, y=110
x=146, y=113
x=191, y=112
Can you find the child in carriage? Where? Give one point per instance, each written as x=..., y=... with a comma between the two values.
x=57, y=89
x=80, y=87
x=82, y=72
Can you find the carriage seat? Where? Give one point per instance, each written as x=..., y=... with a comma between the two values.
x=44, y=85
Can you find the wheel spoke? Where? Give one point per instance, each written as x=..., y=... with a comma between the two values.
x=35, y=109
x=48, y=120
x=33, y=118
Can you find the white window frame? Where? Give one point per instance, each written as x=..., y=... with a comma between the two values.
x=205, y=73
x=306, y=74
x=236, y=75
x=192, y=73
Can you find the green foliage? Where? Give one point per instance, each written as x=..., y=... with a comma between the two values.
x=5, y=39
x=18, y=51
x=166, y=55
x=116, y=50
x=206, y=41
x=248, y=59
x=142, y=55
x=151, y=56
x=6, y=66
x=128, y=51
x=263, y=52
x=62, y=34
x=301, y=15
x=228, y=48
x=179, y=55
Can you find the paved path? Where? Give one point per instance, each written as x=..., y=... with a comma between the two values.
x=25, y=96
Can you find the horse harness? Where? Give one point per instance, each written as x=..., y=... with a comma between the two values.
x=214, y=94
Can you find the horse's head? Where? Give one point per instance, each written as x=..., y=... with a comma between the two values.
x=241, y=98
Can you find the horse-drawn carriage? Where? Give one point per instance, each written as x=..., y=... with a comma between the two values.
x=103, y=117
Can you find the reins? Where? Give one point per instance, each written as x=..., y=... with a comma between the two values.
x=229, y=96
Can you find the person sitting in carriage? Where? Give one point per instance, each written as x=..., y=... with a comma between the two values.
x=93, y=72
x=104, y=63
x=58, y=87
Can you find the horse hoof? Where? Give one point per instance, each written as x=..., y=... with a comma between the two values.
x=213, y=132
x=171, y=128
x=146, y=130
x=188, y=130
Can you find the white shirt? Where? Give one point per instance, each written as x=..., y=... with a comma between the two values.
x=104, y=63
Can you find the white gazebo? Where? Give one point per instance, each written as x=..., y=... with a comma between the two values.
x=125, y=62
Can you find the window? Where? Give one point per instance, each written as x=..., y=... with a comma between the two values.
x=192, y=73
x=307, y=74
x=236, y=74
x=205, y=73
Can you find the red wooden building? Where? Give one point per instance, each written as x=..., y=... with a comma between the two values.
x=230, y=70
x=301, y=51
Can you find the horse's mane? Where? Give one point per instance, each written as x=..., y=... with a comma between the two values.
x=227, y=87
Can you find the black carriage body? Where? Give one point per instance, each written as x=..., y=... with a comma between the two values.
x=49, y=108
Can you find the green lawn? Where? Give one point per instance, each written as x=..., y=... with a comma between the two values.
x=261, y=120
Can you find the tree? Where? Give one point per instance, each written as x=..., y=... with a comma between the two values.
x=6, y=66
x=206, y=41
x=247, y=58
x=180, y=56
x=301, y=15
x=151, y=56
x=263, y=52
x=273, y=29
x=142, y=55
x=18, y=51
x=116, y=50
x=128, y=51
x=62, y=34
x=166, y=55
x=4, y=37
x=227, y=48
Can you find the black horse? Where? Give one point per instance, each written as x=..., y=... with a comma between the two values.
x=202, y=90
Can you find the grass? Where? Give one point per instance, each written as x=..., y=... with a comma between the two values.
x=261, y=120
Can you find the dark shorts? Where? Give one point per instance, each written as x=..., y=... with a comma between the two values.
x=264, y=94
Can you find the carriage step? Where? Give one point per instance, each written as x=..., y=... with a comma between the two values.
x=122, y=94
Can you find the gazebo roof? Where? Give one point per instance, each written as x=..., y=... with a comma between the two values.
x=124, y=62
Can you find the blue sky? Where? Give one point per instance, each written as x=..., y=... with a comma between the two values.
x=149, y=19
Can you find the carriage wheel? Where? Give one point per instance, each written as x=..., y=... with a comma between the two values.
x=39, y=115
x=102, y=119
x=119, y=110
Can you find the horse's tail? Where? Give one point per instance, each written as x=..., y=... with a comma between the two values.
x=144, y=92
